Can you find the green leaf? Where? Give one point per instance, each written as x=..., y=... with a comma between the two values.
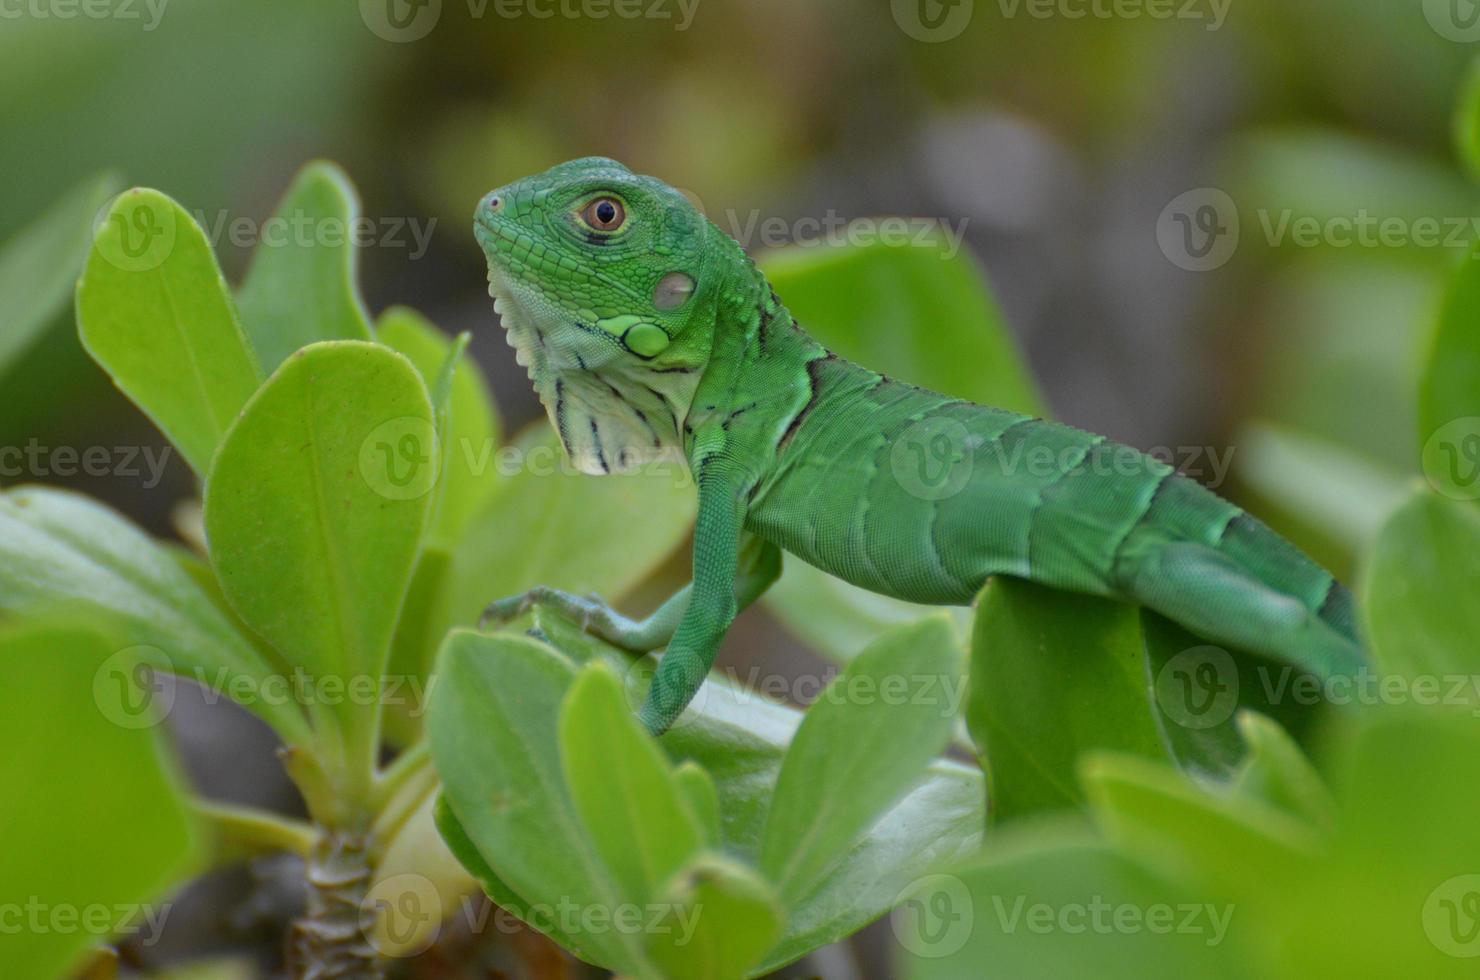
x=838, y=619
x=1053, y=675
x=1276, y=771
x=1198, y=690
x=1449, y=394
x=738, y=737
x=720, y=917
x=69, y=763
x=472, y=436
x=1421, y=588
x=623, y=787
x=300, y=287
x=1230, y=843
x=862, y=745
x=419, y=633
x=1466, y=123
x=549, y=525
x=928, y=314
x=40, y=264
x=493, y=730
x=315, y=508
x=702, y=798
x=1395, y=896
x=1323, y=486
x=154, y=312
x=59, y=550
x=1054, y=903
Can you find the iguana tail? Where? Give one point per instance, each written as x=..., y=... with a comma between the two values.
x=1226, y=576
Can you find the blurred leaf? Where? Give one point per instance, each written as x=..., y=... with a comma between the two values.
x=549, y=525
x=301, y=286
x=493, y=731
x=1053, y=903
x=861, y=746
x=61, y=550
x=1341, y=494
x=1283, y=175
x=838, y=619
x=1276, y=771
x=925, y=315
x=702, y=797
x=922, y=314
x=1449, y=401
x=623, y=787
x=1235, y=845
x=154, y=312
x=1422, y=582
x=1307, y=365
x=40, y=264
x=1466, y=122
x=315, y=508
x=1397, y=895
x=1052, y=676
x=67, y=762
x=472, y=427
x=720, y=917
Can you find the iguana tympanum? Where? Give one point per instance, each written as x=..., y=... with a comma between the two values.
x=648, y=333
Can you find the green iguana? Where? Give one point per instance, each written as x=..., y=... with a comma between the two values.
x=648, y=332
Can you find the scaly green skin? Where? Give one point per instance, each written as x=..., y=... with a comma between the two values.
x=896, y=489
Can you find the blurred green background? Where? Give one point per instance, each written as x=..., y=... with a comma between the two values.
x=1074, y=151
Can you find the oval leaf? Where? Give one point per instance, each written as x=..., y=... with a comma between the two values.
x=155, y=313
x=300, y=287
x=315, y=508
x=860, y=748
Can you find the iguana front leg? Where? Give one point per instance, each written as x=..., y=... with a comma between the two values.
x=758, y=568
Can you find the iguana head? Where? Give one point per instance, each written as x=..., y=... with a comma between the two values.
x=604, y=281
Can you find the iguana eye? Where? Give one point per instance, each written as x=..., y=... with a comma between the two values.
x=605, y=214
